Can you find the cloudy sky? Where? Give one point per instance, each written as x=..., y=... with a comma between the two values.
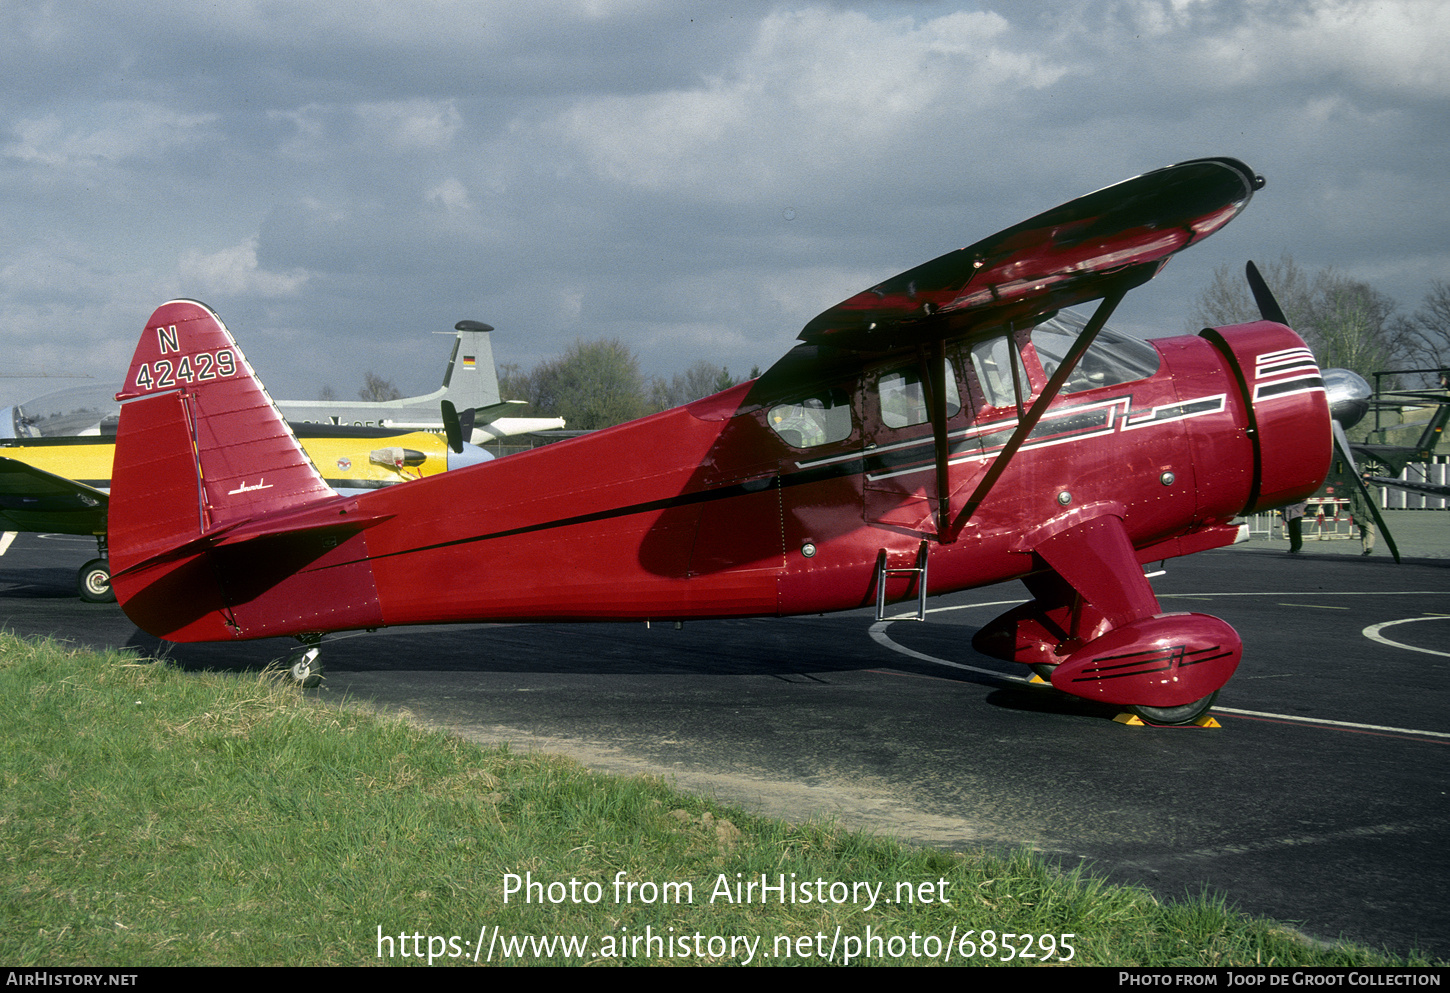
x=697, y=179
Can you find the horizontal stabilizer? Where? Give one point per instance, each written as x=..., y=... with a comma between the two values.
x=338, y=522
x=329, y=527
x=1409, y=486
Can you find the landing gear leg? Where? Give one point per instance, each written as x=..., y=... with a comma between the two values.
x=303, y=665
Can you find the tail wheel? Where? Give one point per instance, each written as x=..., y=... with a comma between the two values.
x=93, y=582
x=304, y=668
x=1184, y=714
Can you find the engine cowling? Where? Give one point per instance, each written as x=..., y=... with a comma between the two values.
x=1288, y=410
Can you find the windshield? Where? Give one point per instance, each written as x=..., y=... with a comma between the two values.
x=813, y=421
x=1113, y=357
x=82, y=411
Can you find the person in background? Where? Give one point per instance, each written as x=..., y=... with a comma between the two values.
x=1363, y=518
x=1294, y=522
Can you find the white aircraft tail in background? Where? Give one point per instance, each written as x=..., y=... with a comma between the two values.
x=470, y=384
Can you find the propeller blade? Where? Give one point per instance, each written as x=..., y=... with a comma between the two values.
x=1341, y=441
x=1269, y=308
x=452, y=428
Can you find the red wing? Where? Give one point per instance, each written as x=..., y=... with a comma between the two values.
x=1065, y=256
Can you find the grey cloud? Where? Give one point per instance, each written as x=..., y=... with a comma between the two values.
x=344, y=178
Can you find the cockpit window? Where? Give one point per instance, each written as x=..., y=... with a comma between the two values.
x=79, y=412
x=903, y=397
x=812, y=421
x=1113, y=357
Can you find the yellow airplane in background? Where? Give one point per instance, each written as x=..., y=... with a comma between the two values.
x=56, y=450
x=55, y=468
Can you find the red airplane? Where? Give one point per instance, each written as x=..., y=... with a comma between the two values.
x=949, y=428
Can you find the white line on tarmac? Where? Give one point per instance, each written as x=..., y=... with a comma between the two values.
x=1373, y=634
x=1314, y=593
x=1338, y=724
x=879, y=635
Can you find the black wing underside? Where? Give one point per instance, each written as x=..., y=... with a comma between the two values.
x=32, y=499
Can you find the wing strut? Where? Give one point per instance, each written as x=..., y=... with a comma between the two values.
x=1039, y=407
x=1015, y=361
x=936, y=384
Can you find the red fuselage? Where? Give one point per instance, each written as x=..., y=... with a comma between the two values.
x=709, y=510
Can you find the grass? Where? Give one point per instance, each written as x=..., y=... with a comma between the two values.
x=154, y=817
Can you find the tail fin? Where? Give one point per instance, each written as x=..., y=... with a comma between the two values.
x=471, y=380
x=220, y=526
x=200, y=444
x=1430, y=437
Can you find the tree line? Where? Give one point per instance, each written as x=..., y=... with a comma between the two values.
x=594, y=384
x=1347, y=322
x=597, y=384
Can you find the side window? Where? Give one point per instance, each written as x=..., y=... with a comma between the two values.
x=903, y=396
x=812, y=421
x=992, y=361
